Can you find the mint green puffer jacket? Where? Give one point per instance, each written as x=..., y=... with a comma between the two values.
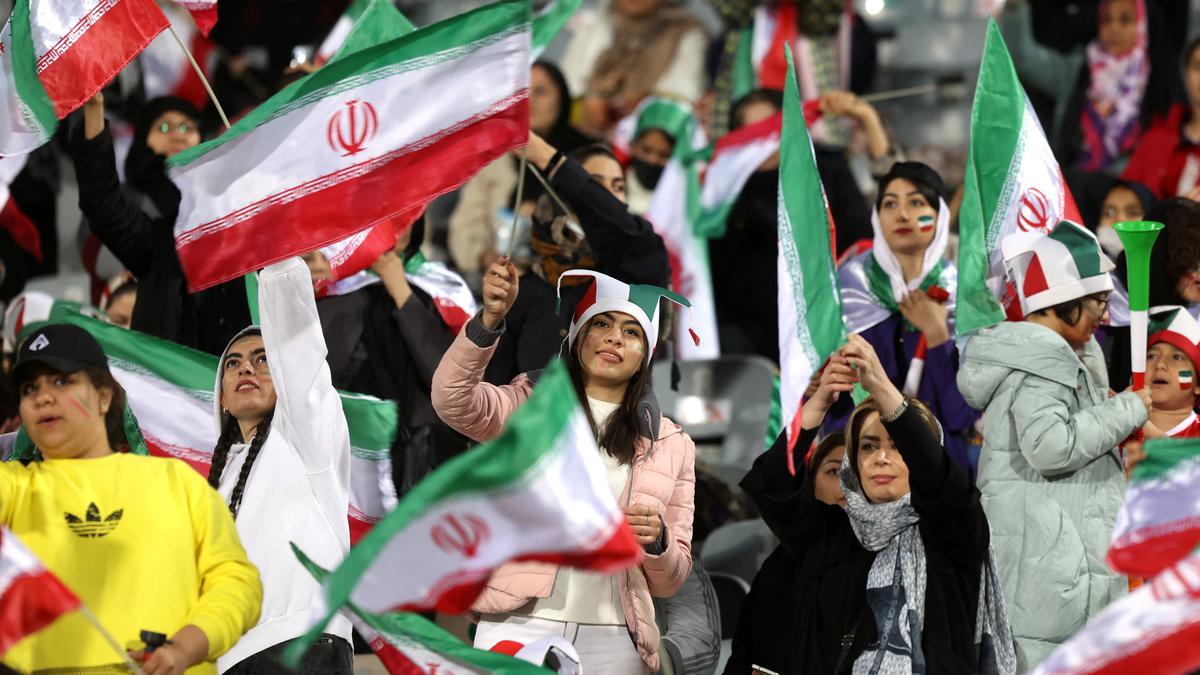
x=1051, y=478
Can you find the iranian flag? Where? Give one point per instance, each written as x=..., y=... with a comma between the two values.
x=810, y=305
x=736, y=156
x=410, y=644
x=166, y=70
x=537, y=492
x=365, y=23
x=31, y=597
x=549, y=21
x=1159, y=523
x=204, y=13
x=1013, y=184
x=345, y=148
x=170, y=393
x=1154, y=630
x=56, y=54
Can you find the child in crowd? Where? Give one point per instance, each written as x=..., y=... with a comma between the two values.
x=143, y=541
x=1174, y=351
x=1051, y=477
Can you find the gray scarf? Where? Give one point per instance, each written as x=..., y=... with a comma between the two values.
x=896, y=589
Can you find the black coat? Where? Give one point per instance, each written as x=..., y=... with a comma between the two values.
x=625, y=247
x=831, y=566
x=379, y=349
x=207, y=320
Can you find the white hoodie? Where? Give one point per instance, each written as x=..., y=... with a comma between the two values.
x=299, y=487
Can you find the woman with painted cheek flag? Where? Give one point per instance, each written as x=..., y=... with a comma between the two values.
x=899, y=296
x=649, y=465
x=139, y=231
x=143, y=541
x=1050, y=473
x=598, y=234
x=902, y=578
x=282, y=464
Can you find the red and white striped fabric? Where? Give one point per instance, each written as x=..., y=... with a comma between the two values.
x=166, y=70
x=204, y=13
x=31, y=597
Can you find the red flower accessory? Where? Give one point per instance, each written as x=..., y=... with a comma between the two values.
x=938, y=293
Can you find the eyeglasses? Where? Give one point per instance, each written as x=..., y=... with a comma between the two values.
x=182, y=127
x=1101, y=301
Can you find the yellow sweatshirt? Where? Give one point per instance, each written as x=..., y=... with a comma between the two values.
x=143, y=541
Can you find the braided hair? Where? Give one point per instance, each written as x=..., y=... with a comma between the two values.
x=230, y=433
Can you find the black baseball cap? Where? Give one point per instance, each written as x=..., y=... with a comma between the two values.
x=62, y=347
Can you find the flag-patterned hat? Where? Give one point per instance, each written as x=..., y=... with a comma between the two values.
x=1051, y=268
x=1178, y=328
x=606, y=294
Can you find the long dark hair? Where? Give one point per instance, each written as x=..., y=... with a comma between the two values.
x=114, y=419
x=231, y=433
x=620, y=434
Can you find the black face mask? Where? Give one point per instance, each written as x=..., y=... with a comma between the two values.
x=647, y=173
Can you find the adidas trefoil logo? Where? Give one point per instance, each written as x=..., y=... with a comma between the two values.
x=91, y=526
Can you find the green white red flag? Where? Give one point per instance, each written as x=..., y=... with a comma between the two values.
x=31, y=597
x=169, y=391
x=549, y=21
x=1159, y=523
x=1013, y=184
x=166, y=70
x=810, y=307
x=365, y=23
x=736, y=156
x=204, y=13
x=56, y=54
x=488, y=506
x=410, y=644
x=450, y=294
x=344, y=148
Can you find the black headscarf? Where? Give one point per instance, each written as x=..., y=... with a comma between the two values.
x=562, y=135
x=925, y=179
x=144, y=170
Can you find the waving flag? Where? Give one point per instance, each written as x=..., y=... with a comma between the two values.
x=166, y=70
x=170, y=391
x=1013, y=184
x=345, y=148
x=810, y=307
x=31, y=597
x=736, y=156
x=56, y=54
x=1159, y=523
x=204, y=13
x=536, y=492
x=549, y=21
x=450, y=294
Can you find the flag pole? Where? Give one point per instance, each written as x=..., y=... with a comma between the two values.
x=512, y=235
x=200, y=72
x=112, y=642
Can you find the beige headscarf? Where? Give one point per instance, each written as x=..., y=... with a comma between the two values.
x=641, y=51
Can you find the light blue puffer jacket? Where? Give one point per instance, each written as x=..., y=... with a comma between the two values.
x=1050, y=476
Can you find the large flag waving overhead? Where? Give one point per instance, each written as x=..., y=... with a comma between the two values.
x=166, y=70
x=170, y=388
x=345, y=148
x=204, y=13
x=536, y=492
x=810, y=307
x=56, y=54
x=1013, y=184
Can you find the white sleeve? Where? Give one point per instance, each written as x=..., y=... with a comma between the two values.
x=308, y=410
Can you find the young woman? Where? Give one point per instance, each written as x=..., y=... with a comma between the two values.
x=1124, y=200
x=1050, y=474
x=282, y=464
x=900, y=297
x=1167, y=157
x=900, y=579
x=650, y=468
x=143, y=541
x=138, y=230
x=764, y=625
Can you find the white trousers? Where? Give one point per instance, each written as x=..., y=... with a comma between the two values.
x=603, y=650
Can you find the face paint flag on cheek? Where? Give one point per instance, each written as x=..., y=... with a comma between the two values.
x=925, y=223
x=1185, y=380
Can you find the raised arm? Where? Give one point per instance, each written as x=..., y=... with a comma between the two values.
x=467, y=404
x=308, y=410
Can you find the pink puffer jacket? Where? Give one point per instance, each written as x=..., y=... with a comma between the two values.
x=663, y=476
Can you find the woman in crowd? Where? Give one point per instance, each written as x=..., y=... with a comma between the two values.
x=900, y=579
x=282, y=463
x=140, y=233
x=143, y=541
x=485, y=203
x=627, y=50
x=649, y=465
x=1125, y=200
x=1167, y=156
x=764, y=625
x=599, y=234
x=659, y=124
x=1118, y=85
x=900, y=297
x=1174, y=275
x=1050, y=473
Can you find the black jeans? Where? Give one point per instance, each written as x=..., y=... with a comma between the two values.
x=328, y=655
